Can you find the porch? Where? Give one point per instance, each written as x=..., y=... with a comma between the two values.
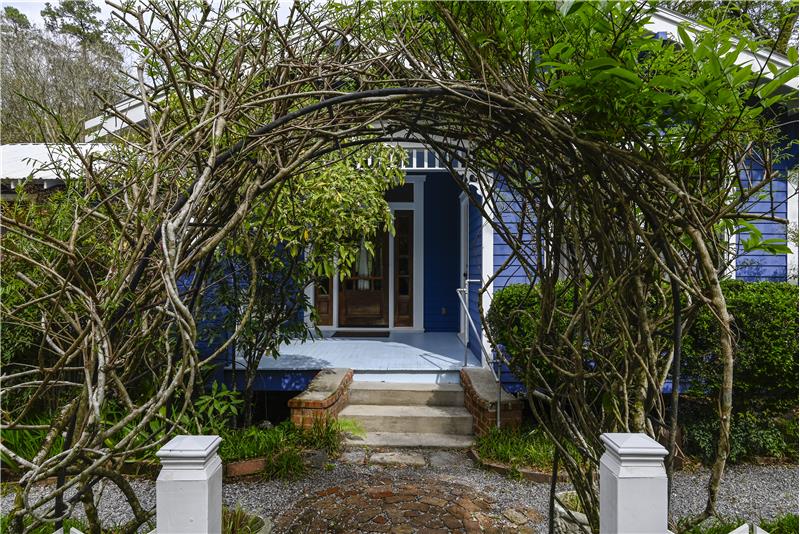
x=424, y=357
x=433, y=357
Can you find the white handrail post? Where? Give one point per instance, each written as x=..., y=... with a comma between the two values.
x=633, y=485
x=189, y=487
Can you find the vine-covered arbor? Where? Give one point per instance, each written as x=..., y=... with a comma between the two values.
x=620, y=154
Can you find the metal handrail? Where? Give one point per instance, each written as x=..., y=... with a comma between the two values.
x=462, y=297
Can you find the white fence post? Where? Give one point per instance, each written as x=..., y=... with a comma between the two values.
x=189, y=487
x=633, y=485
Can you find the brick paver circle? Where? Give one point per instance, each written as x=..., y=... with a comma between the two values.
x=385, y=505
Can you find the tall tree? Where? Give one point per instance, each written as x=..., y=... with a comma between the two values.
x=68, y=70
x=15, y=19
x=77, y=18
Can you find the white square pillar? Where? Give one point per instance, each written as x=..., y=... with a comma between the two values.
x=633, y=485
x=189, y=487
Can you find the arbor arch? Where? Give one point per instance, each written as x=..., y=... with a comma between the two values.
x=235, y=105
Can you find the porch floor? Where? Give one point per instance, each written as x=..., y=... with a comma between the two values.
x=401, y=351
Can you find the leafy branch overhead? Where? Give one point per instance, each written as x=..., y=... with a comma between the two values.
x=620, y=153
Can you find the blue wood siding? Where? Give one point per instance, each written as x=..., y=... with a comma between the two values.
x=759, y=265
x=511, y=210
x=442, y=252
x=475, y=253
x=297, y=380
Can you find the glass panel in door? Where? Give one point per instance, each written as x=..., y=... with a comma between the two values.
x=364, y=296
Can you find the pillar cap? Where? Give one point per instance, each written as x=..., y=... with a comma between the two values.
x=189, y=449
x=622, y=444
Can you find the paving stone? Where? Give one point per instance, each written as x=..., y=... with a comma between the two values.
x=467, y=504
x=445, y=458
x=399, y=498
x=453, y=523
x=381, y=504
x=354, y=457
x=379, y=492
x=515, y=517
x=434, y=501
x=532, y=515
x=397, y=458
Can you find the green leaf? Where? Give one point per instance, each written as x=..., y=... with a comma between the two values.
x=625, y=75
x=668, y=82
x=687, y=41
x=601, y=63
x=781, y=79
x=792, y=54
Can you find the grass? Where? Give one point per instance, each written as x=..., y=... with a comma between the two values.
x=785, y=524
x=516, y=447
x=26, y=442
x=283, y=445
x=239, y=521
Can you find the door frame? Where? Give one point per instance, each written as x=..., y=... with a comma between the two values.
x=417, y=206
x=463, y=327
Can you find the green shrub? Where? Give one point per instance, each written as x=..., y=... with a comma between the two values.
x=765, y=372
x=328, y=434
x=751, y=435
x=513, y=321
x=765, y=385
x=233, y=522
x=785, y=524
x=765, y=323
x=27, y=442
x=285, y=463
x=246, y=443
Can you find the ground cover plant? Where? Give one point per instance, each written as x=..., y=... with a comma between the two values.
x=517, y=447
x=619, y=151
x=283, y=446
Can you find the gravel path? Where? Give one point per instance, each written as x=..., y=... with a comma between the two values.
x=748, y=491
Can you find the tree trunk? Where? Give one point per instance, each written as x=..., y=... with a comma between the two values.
x=92, y=517
x=247, y=410
x=720, y=308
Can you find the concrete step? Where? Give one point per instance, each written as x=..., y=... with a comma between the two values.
x=408, y=439
x=406, y=394
x=419, y=376
x=413, y=419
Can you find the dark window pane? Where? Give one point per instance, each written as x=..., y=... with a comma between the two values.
x=402, y=286
x=404, y=193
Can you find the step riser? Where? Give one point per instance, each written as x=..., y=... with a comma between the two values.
x=428, y=425
x=406, y=398
x=401, y=440
x=418, y=377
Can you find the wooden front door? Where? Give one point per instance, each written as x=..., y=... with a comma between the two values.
x=364, y=297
